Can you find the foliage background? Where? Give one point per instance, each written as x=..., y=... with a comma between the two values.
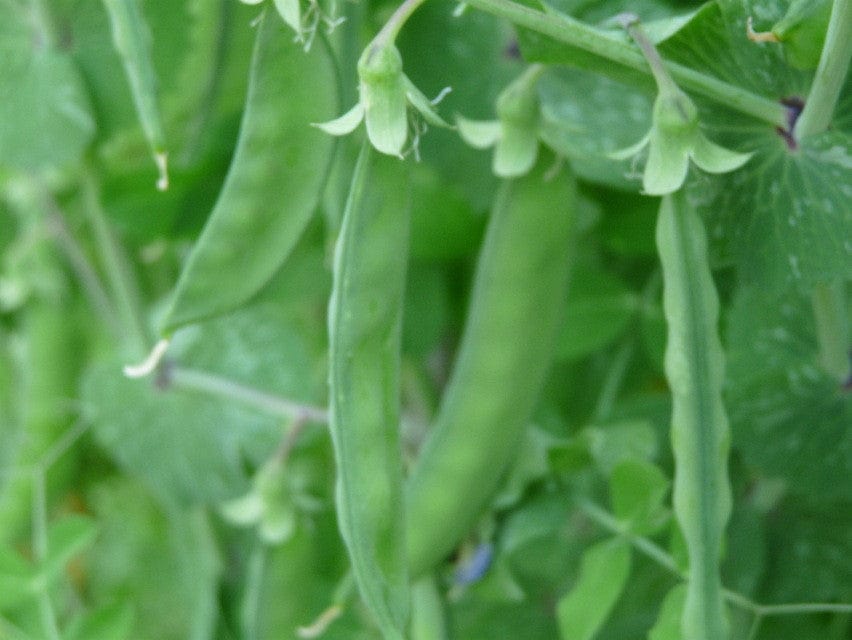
x=110, y=489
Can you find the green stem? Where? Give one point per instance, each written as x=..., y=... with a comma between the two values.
x=117, y=267
x=190, y=380
x=830, y=74
x=609, y=522
x=391, y=29
x=829, y=303
x=613, y=381
x=574, y=33
x=81, y=266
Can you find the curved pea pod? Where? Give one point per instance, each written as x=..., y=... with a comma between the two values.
x=694, y=364
x=506, y=350
x=364, y=343
x=132, y=40
x=274, y=182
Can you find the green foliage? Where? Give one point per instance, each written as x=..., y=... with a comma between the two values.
x=470, y=394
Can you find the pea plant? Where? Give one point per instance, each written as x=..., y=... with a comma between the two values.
x=425, y=320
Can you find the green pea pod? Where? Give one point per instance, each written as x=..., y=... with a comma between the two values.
x=700, y=436
x=364, y=342
x=506, y=350
x=132, y=40
x=274, y=182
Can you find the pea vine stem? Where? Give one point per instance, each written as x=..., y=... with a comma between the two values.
x=117, y=268
x=656, y=553
x=211, y=384
x=390, y=30
x=572, y=32
x=830, y=74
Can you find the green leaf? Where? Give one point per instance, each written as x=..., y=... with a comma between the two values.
x=790, y=420
x=587, y=116
x=189, y=446
x=599, y=309
x=610, y=444
x=667, y=626
x=45, y=120
x=66, y=538
x=604, y=570
x=637, y=491
x=16, y=579
x=110, y=622
x=163, y=562
x=784, y=219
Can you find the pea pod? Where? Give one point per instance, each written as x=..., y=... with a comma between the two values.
x=364, y=342
x=273, y=184
x=505, y=353
x=132, y=40
x=700, y=436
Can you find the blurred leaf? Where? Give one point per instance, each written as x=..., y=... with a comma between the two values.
x=111, y=622
x=604, y=570
x=426, y=312
x=585, y=116
x=189, y=446
x=788, y=418
x=809, y=553
x=599, y=309
x=65, y=539
x=745, y=549
x=529, y=466
x=638, y=490
x=443, y=225
x=611, y=444
x=667, y=626
x=797, y=219
x=45, y=120
x=164, y=563
x=16, y=579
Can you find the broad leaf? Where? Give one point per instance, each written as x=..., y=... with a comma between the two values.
x=44, y=110
x=789, y=419
x=667, y=626
x=603, y=573
x=637, y=491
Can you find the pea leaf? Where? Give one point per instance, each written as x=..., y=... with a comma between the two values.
x=187, y=446
x=775, y=389
x=65, y=539
x=599, y=309
x=604, y=570
x=15, y=578
x=163, y=562
x=45, y=120
x=784, y=219
x=585, y=116
x=637, y=491
x=110, y=622
x=667, y=626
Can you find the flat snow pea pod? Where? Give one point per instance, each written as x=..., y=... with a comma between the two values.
x=700, y=436
x=364, y=342
x=132, y=40
x=274, y=182
x=506, y=350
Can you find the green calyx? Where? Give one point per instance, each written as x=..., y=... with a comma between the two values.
x=386, y=93
x=675, y=136
x=514, y=135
